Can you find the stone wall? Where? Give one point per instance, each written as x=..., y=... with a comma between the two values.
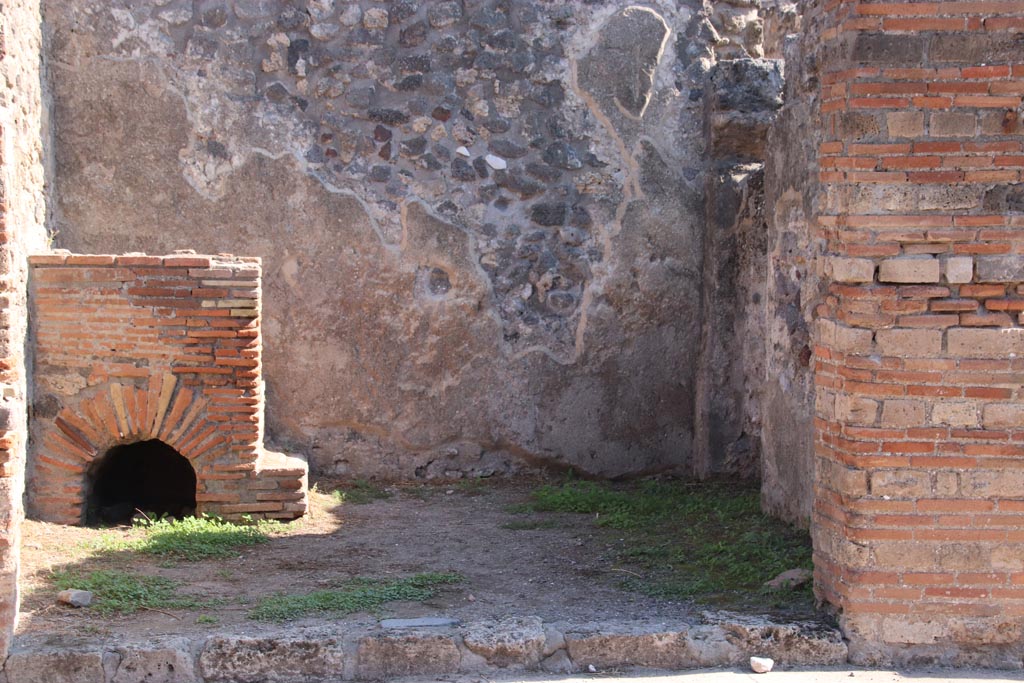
x=793, y=286
x=133, y=348
x=22, y=220
x=919, y=489
x=483, y=222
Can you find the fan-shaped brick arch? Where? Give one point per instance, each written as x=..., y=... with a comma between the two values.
x=121, y=414
x=135, y=348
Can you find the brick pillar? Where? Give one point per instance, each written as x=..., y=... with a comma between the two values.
x=919, y=493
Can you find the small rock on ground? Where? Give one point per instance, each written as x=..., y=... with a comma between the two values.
x=75, y=597
x=761, y=665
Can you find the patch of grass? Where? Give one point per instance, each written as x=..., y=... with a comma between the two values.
x=191, y=538
x=356, y=595
x=530, y=524
x=708, y=542
x=359, y=492
x=206, y=619
x=475, y=486
x=125, y=593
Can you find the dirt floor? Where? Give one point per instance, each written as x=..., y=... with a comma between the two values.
x=565, y=572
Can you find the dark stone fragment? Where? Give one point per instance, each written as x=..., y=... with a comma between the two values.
x=277, y=94
x=330, y=153
x=488, y=193
x=414, y=64
x=315, y=156
x=408, y=83
x=380, y=174
x=561, y=15
x=389, y=117
x=561, y=155
x=297, y=49
x=507, y=148
x=414, y=146
x=543, y=172
x=547, y=261
x=1005, y=199
x=401, y=10
x=417, y=105
x=217, y=149
x=300, y=102
x=535, y=236
x=441, y=152
x=502, y=203
x=696, y=94
x=466, y=114
x=430, y=162
x=381, y=134
x=591, y=160
x=481, y=167
x=488, y=20
x=439, y=84
x=549, y=95
x=497, y=125
x=747, y=85
x=572, y=237
x=202, y=47
x=561, y=302
x=414, y=35
x=557, y=127
x=360, y=97
x=891, y=49
x=46, y=406
x=446, y=44
x=461, y=170
x=513, y=182
x=448, y=208
x=489, y=61
x=385, y=151
x=441, y=114
x=549, y=214
x=364, y=36
x=442, y=14
x=580, y=217
x=501, y=40
x=438, y=282
x=215, y=17
x=292, y=19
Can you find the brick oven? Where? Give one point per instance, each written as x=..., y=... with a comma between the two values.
x=148, y=391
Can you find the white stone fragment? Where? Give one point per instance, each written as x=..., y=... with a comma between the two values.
x=75, y=598
x=462, y=151
x=497, y=163
x=761, y=665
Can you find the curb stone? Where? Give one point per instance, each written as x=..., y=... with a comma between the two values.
x=325, y=655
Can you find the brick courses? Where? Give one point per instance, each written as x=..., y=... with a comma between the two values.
x=918, y=524
x=135, y=347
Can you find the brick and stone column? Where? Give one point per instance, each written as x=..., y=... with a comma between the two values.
x=919, y=494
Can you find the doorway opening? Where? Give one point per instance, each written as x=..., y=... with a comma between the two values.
x=147, y=477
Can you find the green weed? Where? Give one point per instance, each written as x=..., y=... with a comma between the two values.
x=708, y=541
x=356, y=595
x=191, y=538
x=359, y=492
x=125, y=593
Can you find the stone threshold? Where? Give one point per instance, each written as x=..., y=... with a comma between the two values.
x=411, y=647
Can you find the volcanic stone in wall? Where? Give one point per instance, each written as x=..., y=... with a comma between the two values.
x=481, y=222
